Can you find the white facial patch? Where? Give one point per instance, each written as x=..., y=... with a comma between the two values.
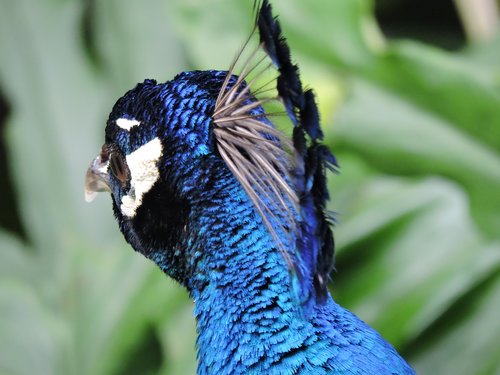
x=144, y=172
x=126, y=123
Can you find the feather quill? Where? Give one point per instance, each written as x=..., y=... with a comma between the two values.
x=283, y=177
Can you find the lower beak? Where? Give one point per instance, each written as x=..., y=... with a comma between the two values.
x=96, y=179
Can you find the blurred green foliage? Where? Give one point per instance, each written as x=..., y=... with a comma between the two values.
x=416, y=130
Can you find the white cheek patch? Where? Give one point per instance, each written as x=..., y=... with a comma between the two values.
x=144, y=172
x=126, y=123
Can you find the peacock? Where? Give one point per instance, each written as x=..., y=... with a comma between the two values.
x=207, y=187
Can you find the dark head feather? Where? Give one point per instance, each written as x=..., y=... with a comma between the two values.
x=282, y=177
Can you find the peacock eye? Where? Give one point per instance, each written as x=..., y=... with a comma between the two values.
x=119, y=168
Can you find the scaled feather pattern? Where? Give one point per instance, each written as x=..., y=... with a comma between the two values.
x=204, y=185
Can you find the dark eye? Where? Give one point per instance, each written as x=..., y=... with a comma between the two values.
x=118, y=167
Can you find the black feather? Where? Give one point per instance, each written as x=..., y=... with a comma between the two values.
x=316, y=246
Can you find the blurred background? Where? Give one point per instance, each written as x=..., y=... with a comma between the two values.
x=409, y=94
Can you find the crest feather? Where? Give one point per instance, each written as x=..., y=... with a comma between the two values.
x=257, y=154
x=285, y=179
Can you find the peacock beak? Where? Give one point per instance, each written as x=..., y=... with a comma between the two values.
x=97, y=178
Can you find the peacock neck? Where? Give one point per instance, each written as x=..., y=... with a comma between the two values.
x=244, y=301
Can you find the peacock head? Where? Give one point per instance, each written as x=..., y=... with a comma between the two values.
x=153, y=131
x=157, y=139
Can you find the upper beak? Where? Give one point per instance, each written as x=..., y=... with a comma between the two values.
x=96, y=179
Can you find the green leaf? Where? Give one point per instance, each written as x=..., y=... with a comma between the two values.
x=77, y=299
x=415, y=129
x=403, y=138
x=134, y=44
x=473, y=341
x=450, y=88
x=33, y=340
x=393, y=248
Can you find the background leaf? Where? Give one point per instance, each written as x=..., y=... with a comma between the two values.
x=416, y=130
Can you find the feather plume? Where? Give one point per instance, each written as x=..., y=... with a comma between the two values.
x=256, y=153
x=282, y=177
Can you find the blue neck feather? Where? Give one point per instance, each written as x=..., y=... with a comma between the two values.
x=246, y=306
